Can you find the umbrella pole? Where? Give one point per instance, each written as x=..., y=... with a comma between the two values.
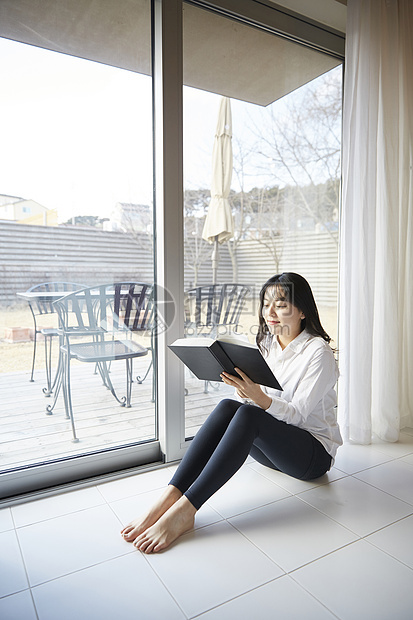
x=215, y=260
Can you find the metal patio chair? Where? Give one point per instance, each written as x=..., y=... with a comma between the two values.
x=213, y=310
x=103, y=318
x=42, y=305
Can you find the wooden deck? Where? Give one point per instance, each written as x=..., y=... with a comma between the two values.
x=29, y=436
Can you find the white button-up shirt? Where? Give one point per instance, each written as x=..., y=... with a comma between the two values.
x=307, y=372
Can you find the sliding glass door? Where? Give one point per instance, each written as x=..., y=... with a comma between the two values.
x=76, y=210
x=282, y=127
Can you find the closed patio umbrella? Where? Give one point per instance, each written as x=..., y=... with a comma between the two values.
x=219, y=225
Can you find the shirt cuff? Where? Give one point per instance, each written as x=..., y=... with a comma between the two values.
x=278, y=408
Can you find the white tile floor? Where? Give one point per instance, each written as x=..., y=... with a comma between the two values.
x=265, y=546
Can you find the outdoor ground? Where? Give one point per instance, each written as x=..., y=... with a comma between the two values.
x=17, y=356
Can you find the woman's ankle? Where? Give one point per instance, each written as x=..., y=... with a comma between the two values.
x=173, y=492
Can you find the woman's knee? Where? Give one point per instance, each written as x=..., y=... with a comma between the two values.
x=228, y=404
x=246, y=415
x=225, y=409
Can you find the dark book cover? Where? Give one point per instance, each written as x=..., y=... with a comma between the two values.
x=207, y=359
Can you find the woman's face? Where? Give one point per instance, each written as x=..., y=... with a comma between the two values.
x=282, y=317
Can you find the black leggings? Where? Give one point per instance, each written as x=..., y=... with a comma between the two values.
x=232, y=432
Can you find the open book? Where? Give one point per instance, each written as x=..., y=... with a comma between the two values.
x=207, y=358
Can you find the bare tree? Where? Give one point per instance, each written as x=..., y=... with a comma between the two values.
x=136, y=221
x=258, y=213
x=197, y=251
x=243, y=204
x=297, y=152
x=301, y=140
x=270, y=223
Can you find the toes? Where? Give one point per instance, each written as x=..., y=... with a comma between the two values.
x=149, y=543
x=142, y=544
x=158, y=547
x=139, y=540
x=147, y=548
x=146, y=542
x=151, y=546
x=127, y=528
x=127, y=533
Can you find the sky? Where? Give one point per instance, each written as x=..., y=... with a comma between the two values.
x=71, y=137
x=77, y=135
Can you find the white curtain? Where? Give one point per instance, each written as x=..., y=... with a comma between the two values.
x=376, y=273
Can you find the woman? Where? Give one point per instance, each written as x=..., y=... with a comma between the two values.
x=294, y=430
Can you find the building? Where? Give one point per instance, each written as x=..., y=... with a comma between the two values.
x=26, y=211
x=129, y=217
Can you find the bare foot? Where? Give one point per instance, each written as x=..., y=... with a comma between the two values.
x=138, y=526
x=173, y=523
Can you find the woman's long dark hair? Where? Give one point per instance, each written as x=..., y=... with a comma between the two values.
x=293, y=288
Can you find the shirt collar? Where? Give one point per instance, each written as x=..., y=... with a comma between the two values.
x=298, y=343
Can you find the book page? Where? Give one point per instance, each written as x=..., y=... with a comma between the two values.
x=240, y=339
x=193, y=342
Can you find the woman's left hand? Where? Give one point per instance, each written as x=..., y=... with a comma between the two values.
x=247, y=388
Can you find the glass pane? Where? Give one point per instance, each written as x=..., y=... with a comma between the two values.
x=76, y=211
x=283, y=192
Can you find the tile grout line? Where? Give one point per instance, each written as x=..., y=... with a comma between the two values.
x=80, y=570
x=364, y=482
x=291, y=573
x=311, y=561
x=382, y=490
x=372, y=544
x=315, y=598
x=29, y=587
x=234, y=598
x=158, y=577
